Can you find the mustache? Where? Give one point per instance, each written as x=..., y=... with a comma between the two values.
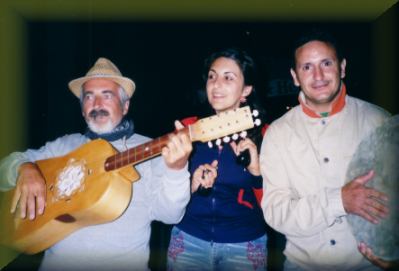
x=96, y=113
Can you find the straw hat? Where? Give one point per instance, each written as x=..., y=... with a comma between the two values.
x=103, y=68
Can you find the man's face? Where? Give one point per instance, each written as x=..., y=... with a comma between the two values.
x=318, y=73
x=101, y=105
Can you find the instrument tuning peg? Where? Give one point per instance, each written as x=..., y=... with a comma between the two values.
x=257, y=122
x=226, y=139
x=210, y=145
x=243, y=134
x=255, y=113
x=218, y=142
x=234, y=137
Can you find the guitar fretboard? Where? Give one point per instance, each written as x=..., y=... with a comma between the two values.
x=139, y=153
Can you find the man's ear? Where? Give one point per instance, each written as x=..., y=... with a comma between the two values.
x=126, y=107
x=294, y=77
x=343, y=68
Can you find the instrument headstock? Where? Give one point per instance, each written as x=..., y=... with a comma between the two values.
x=224, y=126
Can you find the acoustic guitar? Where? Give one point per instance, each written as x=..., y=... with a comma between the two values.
x=93, y=184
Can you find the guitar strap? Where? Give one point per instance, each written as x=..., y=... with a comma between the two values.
x=124, y=129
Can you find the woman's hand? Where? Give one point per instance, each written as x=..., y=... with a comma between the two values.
x=248, y=144
x=204, y=175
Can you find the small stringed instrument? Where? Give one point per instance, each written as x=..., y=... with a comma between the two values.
x=93, y=184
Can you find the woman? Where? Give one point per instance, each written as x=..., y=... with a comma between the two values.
x=223, y=227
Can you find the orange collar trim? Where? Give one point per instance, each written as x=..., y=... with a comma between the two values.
x=337, y=105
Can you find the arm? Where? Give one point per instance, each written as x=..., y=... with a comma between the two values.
x=170, y=180
x=16, y=171
x=168, y=191
x=19, y=170
x=364, y=201
x=381, y=263
x=9, y=170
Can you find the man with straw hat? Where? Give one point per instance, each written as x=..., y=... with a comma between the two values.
x=161, y=193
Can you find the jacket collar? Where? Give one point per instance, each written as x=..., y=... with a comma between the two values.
x=337, y=105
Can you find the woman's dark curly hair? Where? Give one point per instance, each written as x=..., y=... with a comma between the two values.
x=248, y=69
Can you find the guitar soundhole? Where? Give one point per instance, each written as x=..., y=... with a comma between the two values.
x=66, y=218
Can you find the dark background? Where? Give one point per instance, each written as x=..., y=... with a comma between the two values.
x=165, y=61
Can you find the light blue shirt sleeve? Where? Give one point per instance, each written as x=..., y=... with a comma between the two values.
x=9, y=165
x=9, y=170
x=168, y=190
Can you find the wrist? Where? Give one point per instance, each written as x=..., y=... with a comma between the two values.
x=26, y=166
x=254, y=171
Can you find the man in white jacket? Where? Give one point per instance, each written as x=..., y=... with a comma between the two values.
x=304, y=158
x=160, y=194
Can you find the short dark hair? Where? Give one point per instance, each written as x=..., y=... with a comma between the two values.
x=316, y=34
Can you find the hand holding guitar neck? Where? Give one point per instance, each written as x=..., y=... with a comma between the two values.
x=177, y=149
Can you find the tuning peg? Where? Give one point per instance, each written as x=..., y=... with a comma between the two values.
x=255, y=113
x=226, y=139
x=218, y=142
x=257, y=122
x=243, y=134
x=234, y=137
x=210, y=145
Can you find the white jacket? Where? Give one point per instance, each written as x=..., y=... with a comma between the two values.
x=303, y=162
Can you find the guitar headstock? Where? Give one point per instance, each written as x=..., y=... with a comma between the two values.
x=223, y=124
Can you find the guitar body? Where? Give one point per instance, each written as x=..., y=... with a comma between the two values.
x=79, y=193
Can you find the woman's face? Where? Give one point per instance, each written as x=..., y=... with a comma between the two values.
x=225, y=85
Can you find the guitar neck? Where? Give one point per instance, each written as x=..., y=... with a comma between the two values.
x=203, y=130
x=139, y=153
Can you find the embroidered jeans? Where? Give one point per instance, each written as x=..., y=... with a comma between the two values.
x=187, y=252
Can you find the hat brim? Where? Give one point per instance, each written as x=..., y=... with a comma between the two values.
x=128, y=85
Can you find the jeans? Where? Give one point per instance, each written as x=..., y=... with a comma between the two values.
x=187, y=252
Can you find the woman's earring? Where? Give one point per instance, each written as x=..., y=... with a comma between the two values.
x=243, y=99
